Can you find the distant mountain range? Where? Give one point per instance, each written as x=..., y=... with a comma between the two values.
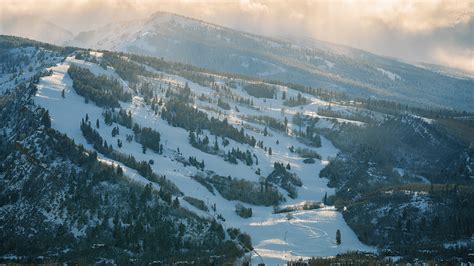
x=290, y=59
x=304, y=61
x=35, y=28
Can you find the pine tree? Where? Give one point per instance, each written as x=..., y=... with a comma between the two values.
x=46, y=119
x=298, y=120
x=338, y=237
x=192, y=138
x=97, y=123
x=108, y=118
x=205, y=141
x=216, y=145
x=176, y=203
x=119, y=143
x=119, y=170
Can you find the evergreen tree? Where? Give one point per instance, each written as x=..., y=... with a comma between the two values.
x=176, y=203
x=97, y=125
x=216, y=145
x=119, y=170
x=205, y=141
x=114, y=132
x=338, y=237
x=298, y=120
x=192, y=138
x=46, y=119
x=119, y=143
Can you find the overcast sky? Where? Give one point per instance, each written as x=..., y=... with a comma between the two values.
x=440, y=32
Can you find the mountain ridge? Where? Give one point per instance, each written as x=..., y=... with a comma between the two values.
x=320, y=64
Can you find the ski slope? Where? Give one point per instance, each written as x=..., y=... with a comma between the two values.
x=275, y=237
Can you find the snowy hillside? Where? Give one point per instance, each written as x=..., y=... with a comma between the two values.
x=121, y=153
x=309, y=62
x=275, y=237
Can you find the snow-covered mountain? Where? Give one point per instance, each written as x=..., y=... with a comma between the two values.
x=303, y=61
x=129, y=158
x=35, y=28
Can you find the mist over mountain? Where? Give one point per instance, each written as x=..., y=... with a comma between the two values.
x=289, y=58
x=36, y=28
x=309, y=62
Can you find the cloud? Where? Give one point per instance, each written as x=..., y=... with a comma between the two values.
x=253, y=6
x=414, y=30
x=456, y=58
x=415, y=16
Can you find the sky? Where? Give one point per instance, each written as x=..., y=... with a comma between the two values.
x=434, y=31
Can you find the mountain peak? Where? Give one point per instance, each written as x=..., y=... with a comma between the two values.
x=166, y=17
x=300, y=60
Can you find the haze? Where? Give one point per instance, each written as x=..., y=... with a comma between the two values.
x=439, y=32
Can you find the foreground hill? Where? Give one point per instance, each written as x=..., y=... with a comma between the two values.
x=61, y=201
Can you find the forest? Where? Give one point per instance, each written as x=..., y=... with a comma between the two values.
x=100, y=89
x=179, y=114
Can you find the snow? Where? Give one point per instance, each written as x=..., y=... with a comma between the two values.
x=96, y=54
x=131, y=174
x=10, y=80
x=459, y=243
x=329, y=63
x=307, y=233
x=98, y=70
x=275, y=237
x=425, y=119
x=392, y=76
x=400, y=171
x=270, y=68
